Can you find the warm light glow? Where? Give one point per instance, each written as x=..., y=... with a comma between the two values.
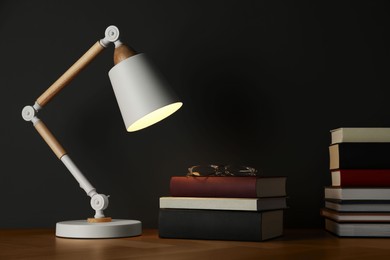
x=154, y=117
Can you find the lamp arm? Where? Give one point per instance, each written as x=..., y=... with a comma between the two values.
x=70, y=74
x=99, y=202
x=111, y=36
x=60, y=152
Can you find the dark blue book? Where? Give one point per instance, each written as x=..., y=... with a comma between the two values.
x=360, y=156
x=220, y=224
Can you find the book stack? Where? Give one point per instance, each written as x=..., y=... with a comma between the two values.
x=223, y=208
x=358, y=202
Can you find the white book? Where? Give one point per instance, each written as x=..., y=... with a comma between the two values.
x=358, y=207
x=358, y=229
x=360, y=135
x=357, y=193
x=245, y=204
x=355, y=216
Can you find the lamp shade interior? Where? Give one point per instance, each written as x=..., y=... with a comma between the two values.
x=144, y=98
x=154, y=117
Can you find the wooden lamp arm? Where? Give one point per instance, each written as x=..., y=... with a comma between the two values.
x=121, y=52
x=49, y=138
x=70, y=74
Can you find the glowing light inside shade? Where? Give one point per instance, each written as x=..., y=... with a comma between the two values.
x=154, y=117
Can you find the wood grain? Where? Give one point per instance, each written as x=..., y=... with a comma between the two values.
x=99, y=220
x=296, y=244
x=70, y=74
x=122, y=52
x=49, y=138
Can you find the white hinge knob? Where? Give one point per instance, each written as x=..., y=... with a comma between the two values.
x=28, y=113
x=99, y=202
x=112, y=33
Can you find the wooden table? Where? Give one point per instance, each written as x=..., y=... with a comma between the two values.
x=295, y=244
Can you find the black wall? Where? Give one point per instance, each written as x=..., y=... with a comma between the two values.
x=262, y=83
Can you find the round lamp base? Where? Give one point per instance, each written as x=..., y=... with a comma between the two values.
x=83, y=229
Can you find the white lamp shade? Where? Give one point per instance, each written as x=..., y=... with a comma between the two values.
x=143, y=96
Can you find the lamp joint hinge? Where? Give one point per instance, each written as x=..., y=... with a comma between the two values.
x=29, y=113
x=111, y=35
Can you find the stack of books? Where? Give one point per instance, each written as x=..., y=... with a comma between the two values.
x=358, y=202
x=223, y=208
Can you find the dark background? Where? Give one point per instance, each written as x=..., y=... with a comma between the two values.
x=262, y=83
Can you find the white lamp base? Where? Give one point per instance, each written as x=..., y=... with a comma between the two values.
x=83, y=229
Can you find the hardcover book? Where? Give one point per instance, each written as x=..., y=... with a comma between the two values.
x=230, y=187
x=359, y=156
x=357, y=193
x=245, y=204
x=358, y=229
x=361, y=177
x=360, y=135
x=220, y=224
x=355, y=216
x=358, y=205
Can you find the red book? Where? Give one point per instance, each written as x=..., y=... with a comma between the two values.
x=361, y=178
x=228, y=187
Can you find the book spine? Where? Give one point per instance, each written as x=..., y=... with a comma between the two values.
x=362, y=156
x=357, y=229
x=360, y=135
x=364, y=178
x=241, y=204
x=233, y=187
x=353, y=193
x=211, y=224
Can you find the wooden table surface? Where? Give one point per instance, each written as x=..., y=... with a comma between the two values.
x=295, y=244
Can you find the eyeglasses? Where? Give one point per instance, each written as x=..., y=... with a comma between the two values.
x=221, y=170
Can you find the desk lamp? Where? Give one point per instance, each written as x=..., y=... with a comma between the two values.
x=143, y=98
